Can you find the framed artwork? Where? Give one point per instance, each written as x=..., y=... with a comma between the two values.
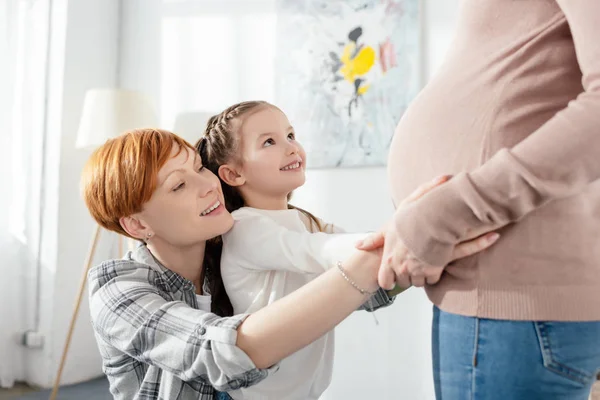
x=346, y=71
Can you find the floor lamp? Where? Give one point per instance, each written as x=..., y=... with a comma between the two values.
x=106, y=113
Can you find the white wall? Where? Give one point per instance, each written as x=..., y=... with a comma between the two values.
x=440, y=18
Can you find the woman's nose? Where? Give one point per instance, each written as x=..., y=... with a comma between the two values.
x=208, y=185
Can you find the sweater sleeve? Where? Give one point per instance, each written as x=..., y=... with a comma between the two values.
x=556, y=161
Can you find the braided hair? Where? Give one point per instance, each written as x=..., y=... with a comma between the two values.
x=219, y=145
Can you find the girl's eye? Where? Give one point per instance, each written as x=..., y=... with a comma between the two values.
x=291, y=136
x=268, y=142
x=179, y=187
x=201, y=168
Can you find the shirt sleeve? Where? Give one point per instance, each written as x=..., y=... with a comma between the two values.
x=131, y=315
x=558, y=160
x=259, y=243
x=381, y=298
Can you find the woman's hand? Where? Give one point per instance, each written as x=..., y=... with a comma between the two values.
x=401, y=267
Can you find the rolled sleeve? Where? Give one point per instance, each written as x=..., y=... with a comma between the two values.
x=134, y=317
x=235, y=369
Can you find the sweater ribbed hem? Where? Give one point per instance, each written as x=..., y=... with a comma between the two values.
x=530, y=303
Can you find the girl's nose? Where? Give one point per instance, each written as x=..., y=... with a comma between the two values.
x=292, y=149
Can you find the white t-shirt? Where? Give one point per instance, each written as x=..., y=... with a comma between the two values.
x=267, y=255
x=203, y=302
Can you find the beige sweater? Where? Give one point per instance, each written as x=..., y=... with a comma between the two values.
x=514, y=113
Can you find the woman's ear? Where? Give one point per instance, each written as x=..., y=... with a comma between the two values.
x=230, y=175
x=135, y=228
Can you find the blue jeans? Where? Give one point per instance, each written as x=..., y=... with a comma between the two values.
x=476, y=358
x=222, y=396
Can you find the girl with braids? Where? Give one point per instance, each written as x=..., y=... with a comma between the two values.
x=274, y=249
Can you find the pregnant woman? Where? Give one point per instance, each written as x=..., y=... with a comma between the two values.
x=514, y=113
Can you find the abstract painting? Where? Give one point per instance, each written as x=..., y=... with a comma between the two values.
x=346, y=71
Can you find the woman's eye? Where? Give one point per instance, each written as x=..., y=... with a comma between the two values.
x=179, y=187
x=201, y=168
x=268, y=142
x=291, y=136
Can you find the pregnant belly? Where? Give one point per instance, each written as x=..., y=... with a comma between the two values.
x=437, y=135
x=450, y=129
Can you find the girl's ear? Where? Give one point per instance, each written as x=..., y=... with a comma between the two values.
x=230, y=175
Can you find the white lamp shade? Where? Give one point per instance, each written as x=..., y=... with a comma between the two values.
x=191, y=125
x=107, y=113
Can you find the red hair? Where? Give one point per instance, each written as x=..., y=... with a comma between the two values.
x=121, y=175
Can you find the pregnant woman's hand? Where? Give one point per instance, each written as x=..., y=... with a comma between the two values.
x=400, y=267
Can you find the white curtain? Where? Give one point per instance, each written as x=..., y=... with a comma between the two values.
x=24, y=27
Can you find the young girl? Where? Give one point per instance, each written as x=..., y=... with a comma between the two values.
x=273, y=248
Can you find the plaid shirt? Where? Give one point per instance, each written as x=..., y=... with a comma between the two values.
x=155, y=342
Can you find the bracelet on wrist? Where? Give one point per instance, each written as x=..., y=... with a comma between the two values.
x=350, y=281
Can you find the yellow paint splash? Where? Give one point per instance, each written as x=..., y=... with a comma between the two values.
x=357, y=66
